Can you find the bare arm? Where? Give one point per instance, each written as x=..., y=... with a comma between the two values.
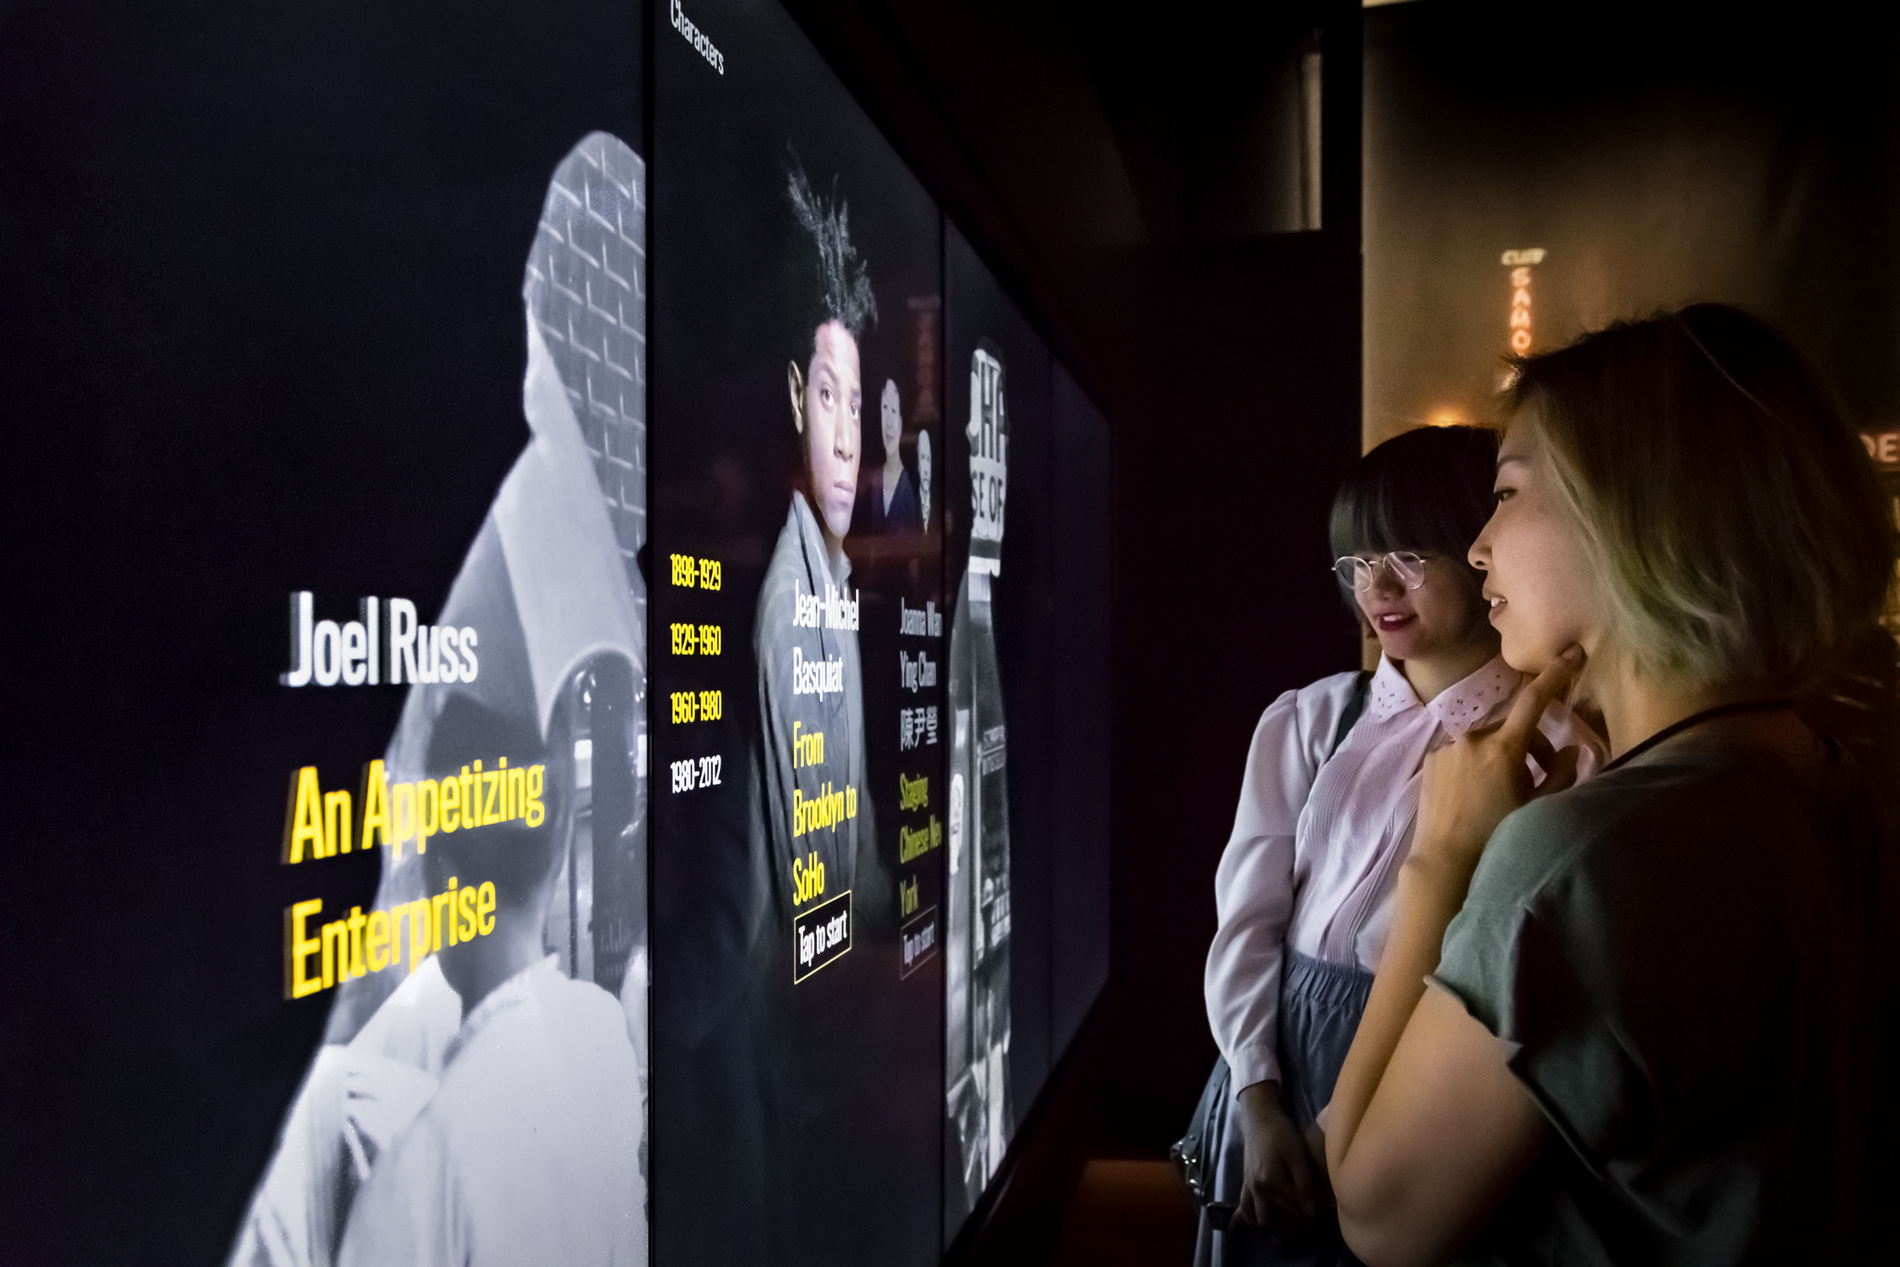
x=1428, y=1129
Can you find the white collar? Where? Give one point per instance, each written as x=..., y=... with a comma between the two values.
x=1458, y=707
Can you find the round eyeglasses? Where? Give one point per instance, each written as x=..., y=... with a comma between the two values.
x=1407, y=566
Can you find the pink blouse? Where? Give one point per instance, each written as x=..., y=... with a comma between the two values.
x=1315, y=852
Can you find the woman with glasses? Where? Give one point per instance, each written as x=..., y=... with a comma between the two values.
x=1327, y=804
x=1651, y=1019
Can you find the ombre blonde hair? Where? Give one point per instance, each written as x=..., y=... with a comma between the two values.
x=1730, y=510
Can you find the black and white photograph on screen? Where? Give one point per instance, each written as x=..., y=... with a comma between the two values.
x=923, y=477
x=889, y=500
x=977, y=1026
x=480, y=1094
x=1009, y=650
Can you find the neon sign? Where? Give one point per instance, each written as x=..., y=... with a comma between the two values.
x=1520, y=264
x=1883, y=447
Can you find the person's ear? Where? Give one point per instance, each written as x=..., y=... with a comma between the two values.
x=795, y=384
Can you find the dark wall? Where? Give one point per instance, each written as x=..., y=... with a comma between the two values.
x=1660, y=157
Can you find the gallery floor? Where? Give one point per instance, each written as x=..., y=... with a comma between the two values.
x=1124, y=1213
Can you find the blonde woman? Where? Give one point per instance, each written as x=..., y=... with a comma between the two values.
x=1649, y=1019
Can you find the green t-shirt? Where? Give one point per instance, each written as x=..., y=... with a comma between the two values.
x=1688, y=960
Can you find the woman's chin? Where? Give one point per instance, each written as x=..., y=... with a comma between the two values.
x=1525, y=656
x=1399, y=646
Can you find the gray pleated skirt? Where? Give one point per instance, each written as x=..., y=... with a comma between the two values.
x=1320, y=1007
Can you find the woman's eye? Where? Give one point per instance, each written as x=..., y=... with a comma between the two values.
x=1503, y=493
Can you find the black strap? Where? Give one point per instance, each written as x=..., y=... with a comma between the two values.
x=1696, y=719
x=1354, y=707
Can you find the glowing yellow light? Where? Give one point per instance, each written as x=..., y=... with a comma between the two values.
x=1882, y=446
x=1520, y=263
x=1448, y=416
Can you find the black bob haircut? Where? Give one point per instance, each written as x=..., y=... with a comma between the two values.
x=1428, y=489
x=516, y=857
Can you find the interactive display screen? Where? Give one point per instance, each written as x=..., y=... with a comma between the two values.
x=800, y=726
x=600, y=729
x=1026, y=550
x=335, y=399
x=482, y=1077
x=856, y=736
x=997, y=1016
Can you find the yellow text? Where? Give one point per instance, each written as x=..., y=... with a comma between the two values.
x=827, y=809
x=318, y=824
x=360, y=944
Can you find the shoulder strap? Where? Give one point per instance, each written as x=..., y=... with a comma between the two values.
x=1361, y=688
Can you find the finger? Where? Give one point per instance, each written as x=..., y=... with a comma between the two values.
x=1560, y=772
x=1316, y=1149
x=1529, y=708
x=1245, y=1212
x=1281, y=1215
x=1539, y=746
x=1287, y=1225
x=1300, y=1172
x=1536, y=743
